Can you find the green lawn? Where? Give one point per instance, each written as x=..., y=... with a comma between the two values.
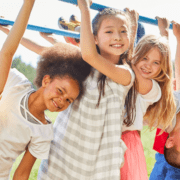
x=147, y=140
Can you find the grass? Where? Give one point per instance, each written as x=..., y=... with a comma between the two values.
x=146, y=137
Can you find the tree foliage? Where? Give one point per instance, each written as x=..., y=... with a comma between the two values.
x=27, y=70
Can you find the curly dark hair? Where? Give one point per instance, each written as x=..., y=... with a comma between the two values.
x=62, y=60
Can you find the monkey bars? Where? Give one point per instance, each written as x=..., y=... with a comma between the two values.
x=72, y=34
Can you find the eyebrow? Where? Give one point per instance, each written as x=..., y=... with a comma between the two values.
x=155, y=60
x=113, y=26
x=66, y=92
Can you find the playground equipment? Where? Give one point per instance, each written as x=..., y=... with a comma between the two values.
x=72, y=34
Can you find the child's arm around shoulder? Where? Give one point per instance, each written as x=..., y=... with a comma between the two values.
x=24, y=168
x=11, y=44
x=90, y=54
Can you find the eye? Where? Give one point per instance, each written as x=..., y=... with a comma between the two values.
x=68, y=101
x=60, y=90
x=144, y=58
x=124, y=31
x=157, y=63
x=109, y=32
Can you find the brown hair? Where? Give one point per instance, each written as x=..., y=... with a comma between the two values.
x=161, y=112
x=172, y=156
x=62, y=60
x=130, y=98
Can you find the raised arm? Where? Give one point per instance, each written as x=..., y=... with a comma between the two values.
x=49, y=37
x=29, y=44
x=163, y=25
x=90, y=54
x=11, y=44
x=134, y=16
x=176, y=31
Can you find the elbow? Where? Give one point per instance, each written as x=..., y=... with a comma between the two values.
x=88, y=56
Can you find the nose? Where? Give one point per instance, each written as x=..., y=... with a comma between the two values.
x=117, y=36
x=148, y=65
x=63, y=98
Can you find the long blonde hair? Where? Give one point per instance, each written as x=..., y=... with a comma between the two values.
x=162, y=112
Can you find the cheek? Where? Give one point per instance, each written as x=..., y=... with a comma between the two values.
x=157, y=69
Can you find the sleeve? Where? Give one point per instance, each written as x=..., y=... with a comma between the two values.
x=14, y=78
x=132, y=75
x=39, y=145
x=151, y=97
x=142, y=103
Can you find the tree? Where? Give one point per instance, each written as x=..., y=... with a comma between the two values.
x=27, y=70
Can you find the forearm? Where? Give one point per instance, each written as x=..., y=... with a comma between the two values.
x=24, y=169
x=49, y=38
x=87, y=42
x=4, y=29
x=11, y=44
x=177, y=66
x=32, y=46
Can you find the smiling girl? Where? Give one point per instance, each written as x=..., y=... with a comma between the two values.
x=24, y=127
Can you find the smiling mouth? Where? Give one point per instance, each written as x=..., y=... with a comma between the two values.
x=145, y=71
x=117, y=45
x=55, y=104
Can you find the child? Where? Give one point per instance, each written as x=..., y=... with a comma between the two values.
x=135, y=165
x=88, y=146
x=23, y=124
x=155, y=65
x=167, y=164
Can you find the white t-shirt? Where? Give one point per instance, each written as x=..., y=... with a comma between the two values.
x=16, y=132
x=142, y=103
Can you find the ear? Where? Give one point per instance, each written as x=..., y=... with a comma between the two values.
x=46, y=80
x=96, y=40
x=169, y=142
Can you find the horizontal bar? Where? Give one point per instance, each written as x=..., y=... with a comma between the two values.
x=99, y=7
x=44, y=29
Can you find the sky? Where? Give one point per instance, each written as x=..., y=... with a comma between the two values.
x=46, y=13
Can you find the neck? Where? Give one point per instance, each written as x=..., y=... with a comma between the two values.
x=36, y=104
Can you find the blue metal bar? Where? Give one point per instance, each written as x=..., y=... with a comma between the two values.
x=99, y=7
x=44, y=29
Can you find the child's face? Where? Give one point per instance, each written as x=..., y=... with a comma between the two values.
x=113, y=36
x=150, y=65
x=59, y=93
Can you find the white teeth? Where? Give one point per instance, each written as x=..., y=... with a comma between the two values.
x=55, y=104
x=116, y=45
x=145, y=71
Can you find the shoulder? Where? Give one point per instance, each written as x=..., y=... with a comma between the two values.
x=154, y=94
x=15, y=77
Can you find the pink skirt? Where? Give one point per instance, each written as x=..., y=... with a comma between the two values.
x=135, y=163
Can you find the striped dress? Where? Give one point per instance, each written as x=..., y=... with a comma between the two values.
x=87, y=144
